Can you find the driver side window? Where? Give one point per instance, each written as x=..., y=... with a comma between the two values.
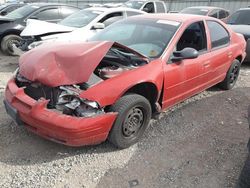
x=149, y=7
x=214, y=13
x=50, y=14
x=193, y=37
x=111, y=18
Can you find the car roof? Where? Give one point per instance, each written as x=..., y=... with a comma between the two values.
x=8, y=4
x=206, y=7
x=173, y=17
x=243, y=9
x=48, y=4
x=105, y=9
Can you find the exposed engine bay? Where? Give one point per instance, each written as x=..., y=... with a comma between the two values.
x=66, y=99
x=117, y=61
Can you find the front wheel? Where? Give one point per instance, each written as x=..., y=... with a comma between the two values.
x=232, y=76
x=7, y=42
x=134, y=114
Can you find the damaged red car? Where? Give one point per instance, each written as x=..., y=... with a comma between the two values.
x=109, y=87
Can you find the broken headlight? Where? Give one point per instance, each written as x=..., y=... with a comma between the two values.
x=35, y=44
x=70, y=103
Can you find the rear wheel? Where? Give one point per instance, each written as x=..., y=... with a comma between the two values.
x=232, y=76
x=134, y=114
x=7, y=42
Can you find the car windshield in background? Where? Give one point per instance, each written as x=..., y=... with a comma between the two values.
x=80, y=18
x=148, y=37
x=3, y=6
x=22, y=12
x=134, y=4
x=240, y=17
x=197, y=11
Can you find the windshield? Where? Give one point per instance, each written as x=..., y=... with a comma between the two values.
x=80, y=18
x=146, y=36
x=134, y=4
x=22, y=12
x=197, y=11
x=240, y=18
x=3, y=6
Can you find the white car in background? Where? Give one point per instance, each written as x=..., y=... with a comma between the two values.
x=77, y=27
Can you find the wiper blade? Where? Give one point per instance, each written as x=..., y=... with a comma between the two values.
x=129, y=57
x=120, y=54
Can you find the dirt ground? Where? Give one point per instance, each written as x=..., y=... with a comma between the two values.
x=198, y=143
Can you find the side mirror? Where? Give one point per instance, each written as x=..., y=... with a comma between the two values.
x=186, y=53
x=33, y=17
x=145, y=9
x=98, y=26
x=3, y=13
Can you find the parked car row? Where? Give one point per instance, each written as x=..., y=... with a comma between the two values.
x=77, y=27
x=9, y=7
x=13, y=23
x=37, y=33
x=29, y=27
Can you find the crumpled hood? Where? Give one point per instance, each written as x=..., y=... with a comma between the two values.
x=242, y=29
x=63, y=63
x=38, y=27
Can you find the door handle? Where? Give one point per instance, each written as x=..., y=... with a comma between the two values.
x=206, y=63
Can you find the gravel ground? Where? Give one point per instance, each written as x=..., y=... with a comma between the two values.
x=198, y=143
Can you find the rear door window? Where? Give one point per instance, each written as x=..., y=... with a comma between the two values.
x=218, y=34
x=222, y=14
x=149, y=8
x=50, y=14
x=160, y=7
x=111, y=18
x=214, y=13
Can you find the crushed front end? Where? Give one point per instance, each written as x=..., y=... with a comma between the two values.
x=45, y=95
x=57, y=113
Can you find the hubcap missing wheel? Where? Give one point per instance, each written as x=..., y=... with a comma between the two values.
x=133, y=122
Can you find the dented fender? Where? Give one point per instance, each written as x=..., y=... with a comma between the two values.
x=122, y=83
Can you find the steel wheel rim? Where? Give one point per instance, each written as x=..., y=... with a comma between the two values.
x=133, y=122
x=234, y=74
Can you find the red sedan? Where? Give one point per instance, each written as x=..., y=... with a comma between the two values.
x=108, y=88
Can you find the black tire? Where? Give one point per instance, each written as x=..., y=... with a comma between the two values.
x=6, y=44
x=134, y=114
x=232, y=76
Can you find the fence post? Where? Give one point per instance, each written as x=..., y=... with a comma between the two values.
x=209, y=2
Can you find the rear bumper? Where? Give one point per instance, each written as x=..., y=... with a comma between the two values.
x=65, y=129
